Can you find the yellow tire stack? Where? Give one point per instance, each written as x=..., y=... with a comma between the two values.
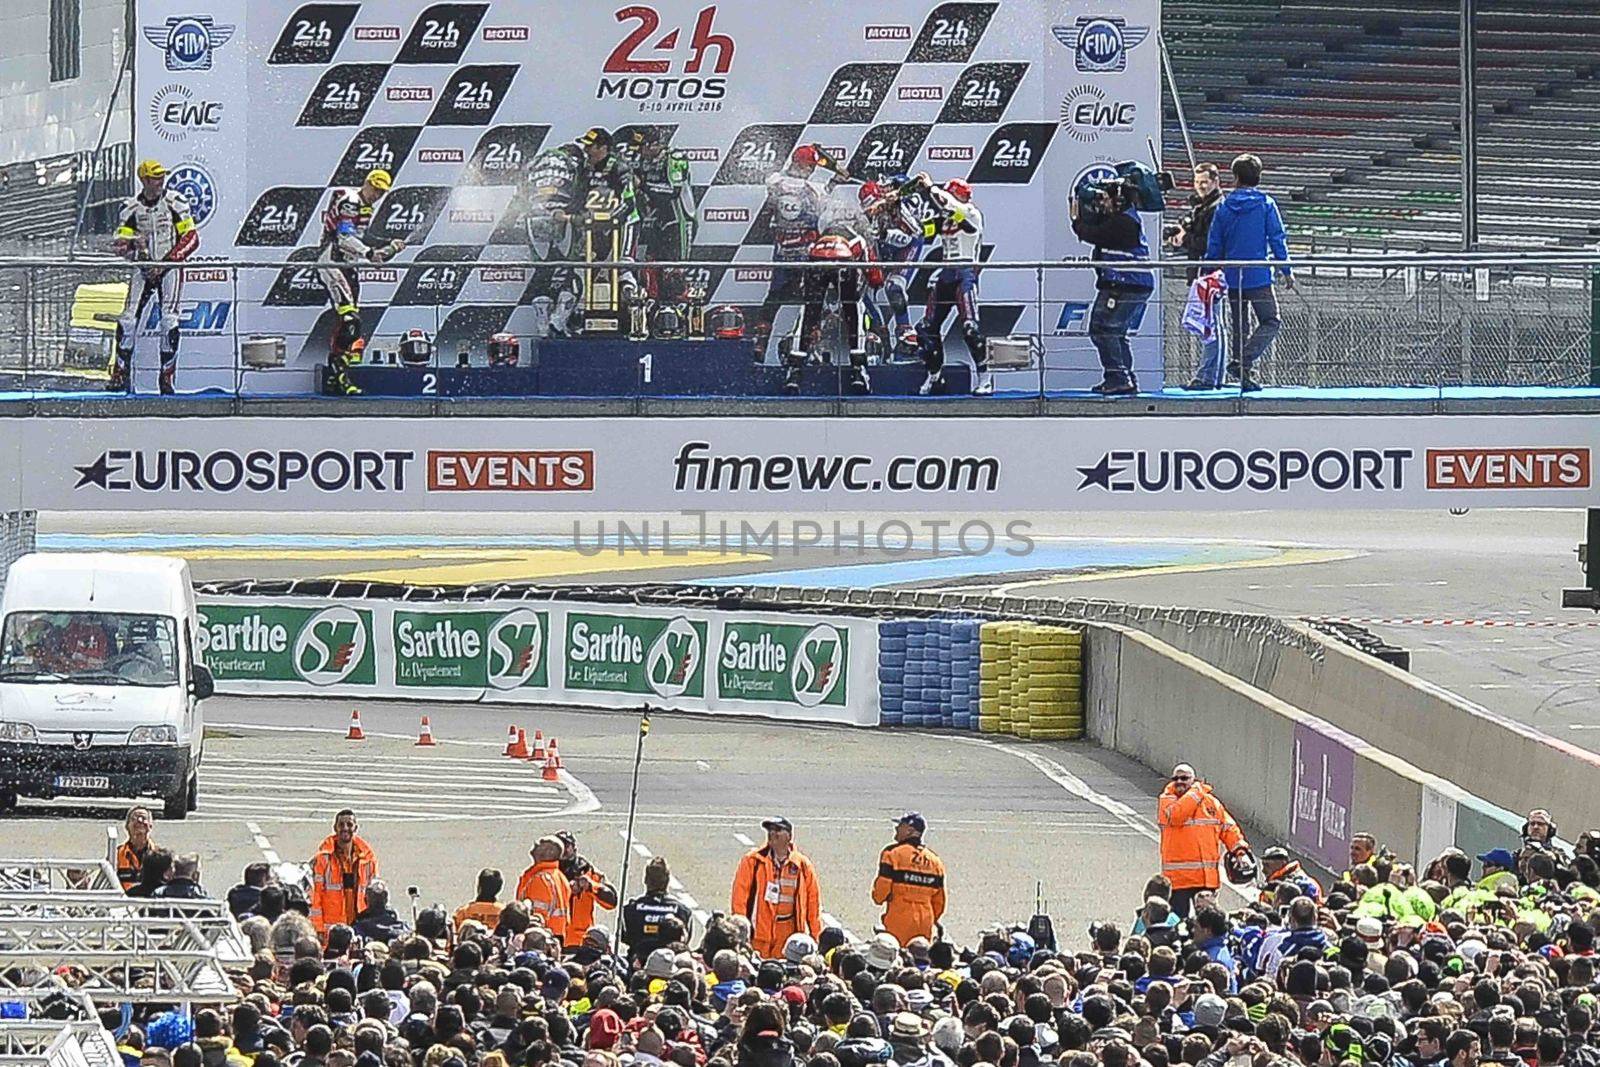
x=1030, y=681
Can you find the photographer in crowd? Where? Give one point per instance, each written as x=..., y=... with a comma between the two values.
x=1105, y=214
x=1190, y=237
x=1247, y=226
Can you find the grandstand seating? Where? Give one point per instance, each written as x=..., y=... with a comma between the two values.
x=1353, y=107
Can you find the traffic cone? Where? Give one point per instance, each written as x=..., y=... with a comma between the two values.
x=425, y=738
x=537, y=755
x=552, y=763
x=519, y=747
x=355, y=733
x=511, y=741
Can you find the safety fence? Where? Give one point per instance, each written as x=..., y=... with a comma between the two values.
x=1358, y=320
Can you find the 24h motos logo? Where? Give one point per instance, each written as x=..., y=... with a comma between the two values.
x=516, y=649
x=674, y=658
x=330, y=646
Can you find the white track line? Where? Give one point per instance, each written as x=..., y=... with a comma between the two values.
x=743, y=839
x=267, y=851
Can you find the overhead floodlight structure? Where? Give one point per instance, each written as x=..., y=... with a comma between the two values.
x=126, y=958
x=170, y=923
x=46, y=1042
x=58, y=876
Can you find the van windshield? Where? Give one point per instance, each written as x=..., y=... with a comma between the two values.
x=91, y=647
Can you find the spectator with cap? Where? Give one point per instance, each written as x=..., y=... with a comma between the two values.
x=342, y=869
x=655, y=917
x=910, y=882
x=1499, y=868
x=775, y=888
x=131, y=853
x=1195, y=829
x=1278, y=867
x=545, y=888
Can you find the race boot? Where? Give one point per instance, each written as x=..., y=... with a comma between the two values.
x=932, y=384
x=860, y=384
x=169, y=374
x=983, y=383
x=120, y=378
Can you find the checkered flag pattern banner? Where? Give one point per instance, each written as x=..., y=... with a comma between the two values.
x=261, y=109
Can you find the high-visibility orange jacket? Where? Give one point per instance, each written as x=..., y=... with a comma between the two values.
x=130, y=863
x=583, y=905
x=549, y=893
x=339, y=891
x=911, y=882
x=778, y=901
x=486, y=912
x=1194, y=829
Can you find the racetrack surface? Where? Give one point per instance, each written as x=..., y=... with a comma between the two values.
x=1476, y=597
x=1003, y=815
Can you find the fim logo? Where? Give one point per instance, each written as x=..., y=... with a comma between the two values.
x=674, y=658
x=330, y=646
x=1100, y=43
x=516, y=649
x=189, y=40
x=1074, y=320
x=819, y=668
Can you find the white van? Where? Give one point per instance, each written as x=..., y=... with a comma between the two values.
x=99, y=688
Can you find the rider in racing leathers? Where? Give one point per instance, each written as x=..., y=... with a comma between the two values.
x=840, y=242
x=898, y=232
x=666, y=214
x=154, y=226
x=959, y=225
x=797, y=203
x=560, y=180
x=343, y=247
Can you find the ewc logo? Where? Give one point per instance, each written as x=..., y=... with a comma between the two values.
x=189, y=40
x=194, y=184
x=1101, y=42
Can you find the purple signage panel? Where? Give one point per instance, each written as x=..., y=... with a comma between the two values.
x=1324, y=782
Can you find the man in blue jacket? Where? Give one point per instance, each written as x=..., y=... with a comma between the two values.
x=1247, y=225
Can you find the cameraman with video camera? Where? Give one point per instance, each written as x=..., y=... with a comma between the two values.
x=1105, y=214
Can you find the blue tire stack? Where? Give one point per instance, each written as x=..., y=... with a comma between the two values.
x=892, y=639
x=963, y=659
x=916, y=676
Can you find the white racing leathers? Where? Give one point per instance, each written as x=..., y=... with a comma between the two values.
x=150, y=234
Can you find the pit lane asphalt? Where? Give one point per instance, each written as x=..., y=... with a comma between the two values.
x=1003, y=815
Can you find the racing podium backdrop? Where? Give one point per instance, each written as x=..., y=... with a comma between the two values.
x=260, y=108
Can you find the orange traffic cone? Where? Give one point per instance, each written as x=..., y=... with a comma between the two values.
x=537, y=755
x=511, y=741
x=355, y=733
x=518, y=748
x=552, y=763
x=425, y=738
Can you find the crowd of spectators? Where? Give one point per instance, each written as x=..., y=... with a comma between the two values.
x=1384, y=966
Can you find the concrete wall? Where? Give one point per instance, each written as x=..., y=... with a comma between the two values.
x=1160, y=705
x=1507, y=764
x=39, y=118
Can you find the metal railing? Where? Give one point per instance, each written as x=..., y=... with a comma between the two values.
x=1432, y=321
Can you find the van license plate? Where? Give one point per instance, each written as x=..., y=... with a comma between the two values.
x=82, y=781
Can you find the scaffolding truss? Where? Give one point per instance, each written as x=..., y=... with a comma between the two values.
x=58, y=876
x=110, y=921
x=44, y=1042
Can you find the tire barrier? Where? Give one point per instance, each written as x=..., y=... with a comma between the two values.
x=928, y=673
x=1030, y=681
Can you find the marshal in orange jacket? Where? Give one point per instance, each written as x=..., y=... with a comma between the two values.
x=778, y=901
x=911, y=882
x=1195, y=828
x=339, y=891
x=549, y=893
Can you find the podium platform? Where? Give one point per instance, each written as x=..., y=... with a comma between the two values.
x=613, y=368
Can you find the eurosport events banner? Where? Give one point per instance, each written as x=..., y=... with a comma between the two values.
x=261, y=109
x=797, y=667
x=798, y=466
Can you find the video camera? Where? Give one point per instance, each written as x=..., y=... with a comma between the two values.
x=1133, y=183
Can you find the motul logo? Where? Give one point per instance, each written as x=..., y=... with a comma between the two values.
x=726, y=214
x=441, y=155
x=409, y=94
x=702, y=155
x=472, y=216
x=501, y=274
x=510, y=471
x=887, y=33
x=380, y=275
x=950, y=153
x=752, y=274
x=921, y=92
x=505, y=33
x=377, y=33
x=1508, y=468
